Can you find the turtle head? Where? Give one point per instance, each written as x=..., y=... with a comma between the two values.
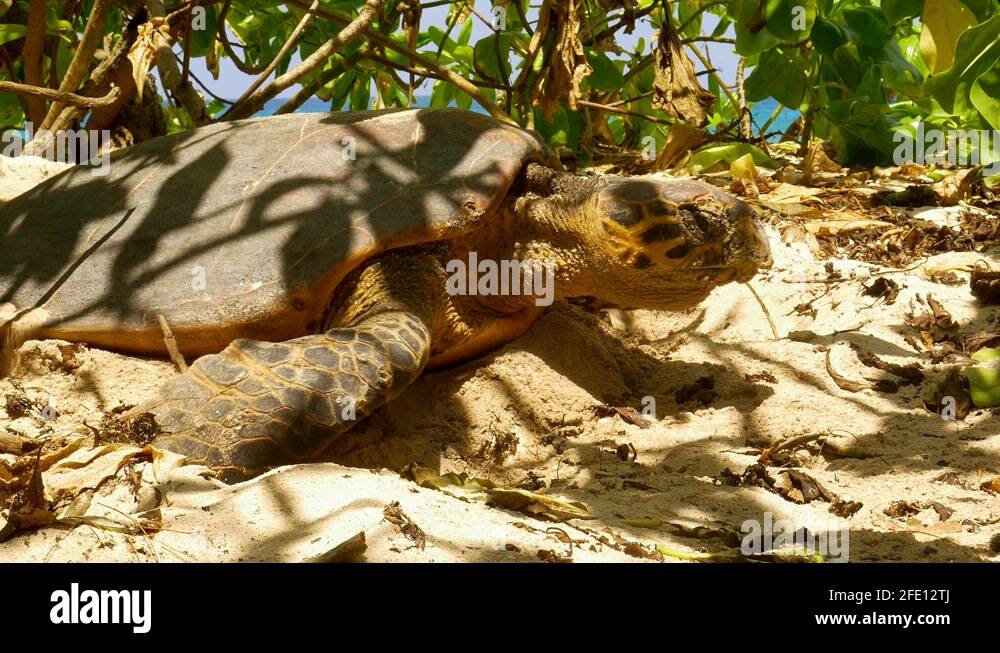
x=663, y=244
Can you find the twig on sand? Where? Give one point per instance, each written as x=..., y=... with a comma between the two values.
x=842, y=382
x=171, y=343
x=788, y=443
x=767, y=313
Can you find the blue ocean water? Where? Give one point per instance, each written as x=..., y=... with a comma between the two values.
x=760, y=112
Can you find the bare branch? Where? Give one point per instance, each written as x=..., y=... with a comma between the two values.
x=351, y=31
x=463, y=84
x=714, y=75
x=33, y=57
x=702, y=9
x=240, y=64
x=746, y=129
x=80, y=65
x=102, y=80
x=285, y=49
x=710, y=39
x=317, y=82
x=625, y=112
x=183, y=92
x=72, y=99
x=611, y=30
x=388, y=63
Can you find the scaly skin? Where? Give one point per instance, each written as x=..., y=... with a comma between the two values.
x=635, y=244
x=257, y=404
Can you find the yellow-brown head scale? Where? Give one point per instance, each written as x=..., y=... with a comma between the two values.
x=651, y=243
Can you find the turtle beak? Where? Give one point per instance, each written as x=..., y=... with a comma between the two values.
x=748, y=248
x=738, y=245
x=758, y=236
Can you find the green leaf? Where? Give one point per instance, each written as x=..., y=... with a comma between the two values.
x=847, y=65
x=465, y=55
x=215, y=107
x=685, y=10
x=713, y=155
x=901, y=75
x=722, y=27
x=361, y=94
x=747, y=12
x=11, y=113
x=442, y=94
x=943, y=22
x=790, y=20
x=465, y=33
x=981, y=8
x=487, y=60
x=203, y=40
x=750, y=43
x=860, y=128
x=897, y=10
x=341, y=90
x=910, y=49
x=778, y=75
x=436, y=35
x=872, y=88
x=827, y=36
x=977, y=52
x=872, y=29
x=985, y=96
x=606, y=75
x=565, y=128
x=10, y=33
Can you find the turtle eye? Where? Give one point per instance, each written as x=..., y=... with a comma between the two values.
x=679, y=251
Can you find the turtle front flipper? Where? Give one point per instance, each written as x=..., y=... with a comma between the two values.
x=259, y=404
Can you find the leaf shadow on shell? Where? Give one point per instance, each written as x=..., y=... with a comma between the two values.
x=272, y=216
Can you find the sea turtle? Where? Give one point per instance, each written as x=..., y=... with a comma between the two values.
x=318, y=264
